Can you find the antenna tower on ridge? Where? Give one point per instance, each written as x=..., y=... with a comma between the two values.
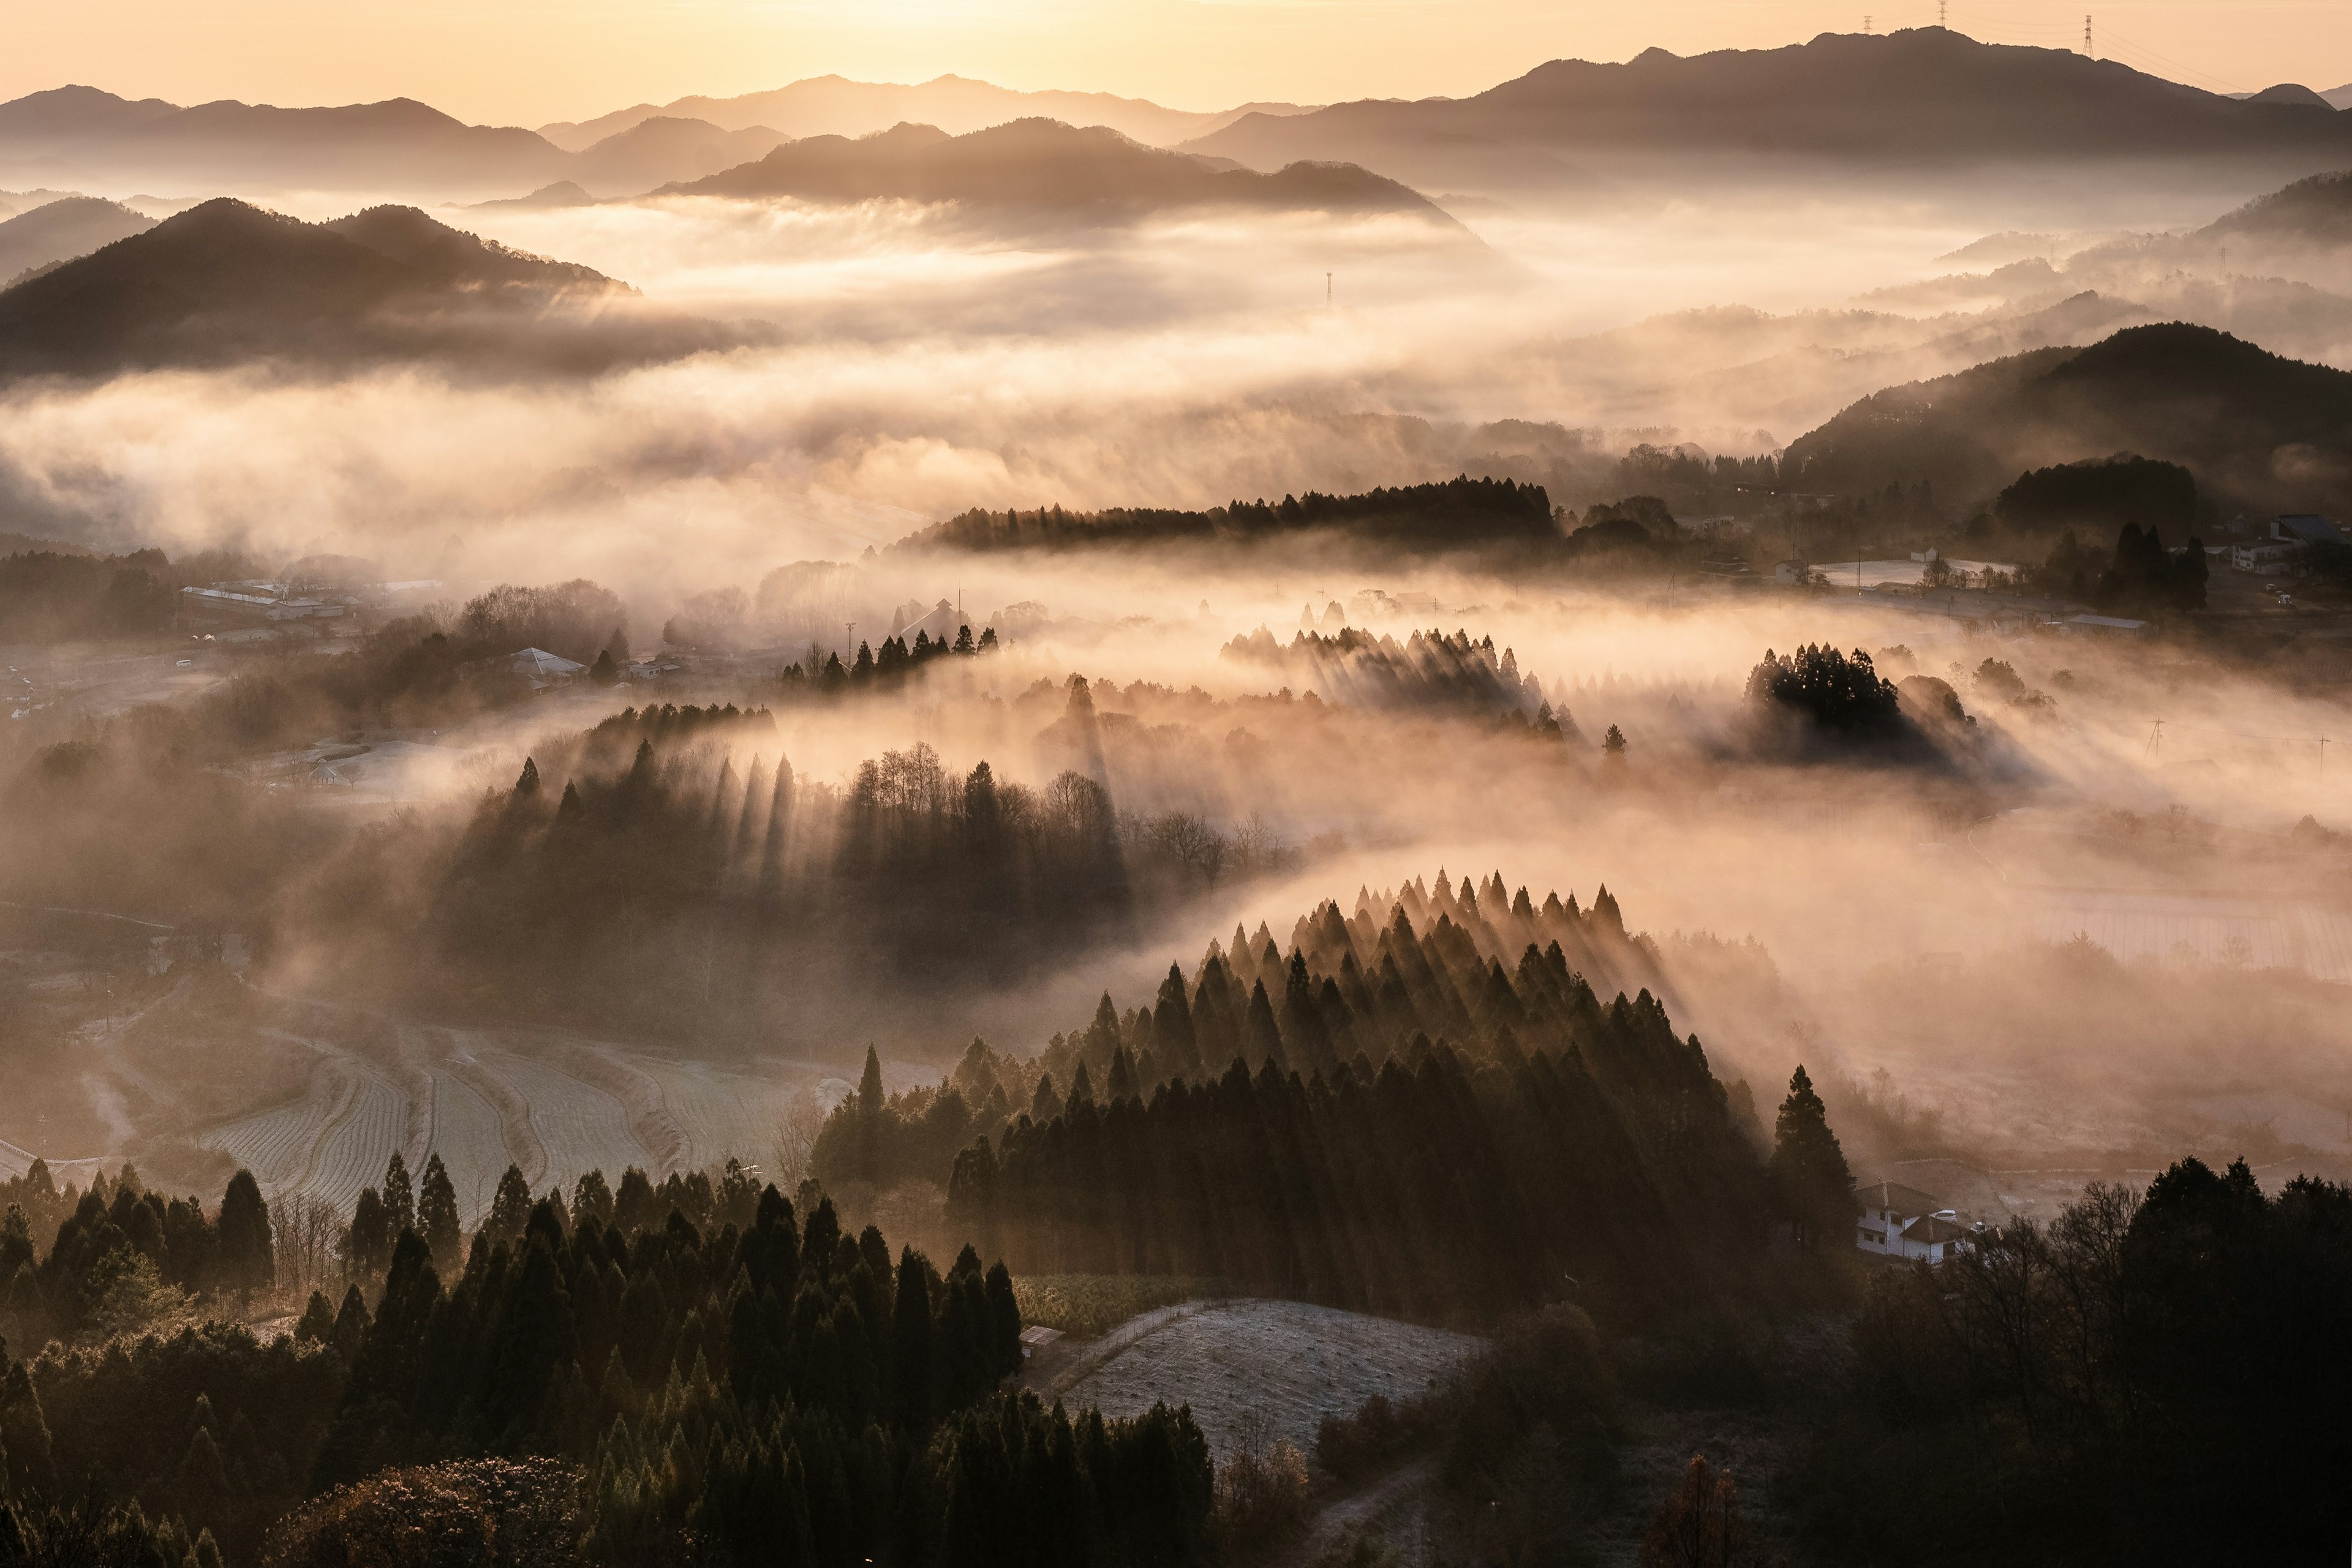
x=2086, y=39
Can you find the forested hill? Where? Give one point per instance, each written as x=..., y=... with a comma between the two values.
x=2259, y=432
x=1460, y=513
x=1043, y=163
x=2316, y=212
x=1915, y=100
x=226, y=282
x=1426, y=1108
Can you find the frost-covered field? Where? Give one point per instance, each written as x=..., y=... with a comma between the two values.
x=1292, y=1362
x=483, y=1101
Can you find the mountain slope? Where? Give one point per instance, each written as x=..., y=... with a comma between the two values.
x=2260, y=432
x=1924, y=96
x=396, y=145
x=226, y=283
x=1046, y=165
x=62, y=229
x=835, y=106
x=663, y=149
x=2315, y=213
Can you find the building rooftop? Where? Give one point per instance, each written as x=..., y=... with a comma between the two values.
x=1895, y=1196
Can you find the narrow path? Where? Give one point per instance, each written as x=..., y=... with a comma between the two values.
x=1394, y=1503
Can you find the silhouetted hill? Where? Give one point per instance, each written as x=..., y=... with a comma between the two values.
x=2259, y=432
x=663, y=149
x=226, y=283
x=397, y=145
x=1043, y=163
x=1480, y=515
x=562, y=194
x=62, y=229
x=835, y=106
x=2315, y=212
x=1919, y=97
x=62, y=116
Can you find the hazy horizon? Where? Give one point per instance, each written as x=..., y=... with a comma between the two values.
x=1195, y=57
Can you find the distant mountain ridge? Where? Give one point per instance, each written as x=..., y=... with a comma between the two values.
x=62, y=229
x=400, y=144
x=226, y=283
x=1046, y=165
x=835, y=106
x=1922, y=96
x=2259, y=432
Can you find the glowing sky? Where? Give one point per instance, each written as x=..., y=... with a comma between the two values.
x=529, y=61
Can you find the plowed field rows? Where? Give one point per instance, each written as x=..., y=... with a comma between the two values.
x=276, y=1144
x=465, y=1135
x=722, y=1114
x=582, y=1129
x=356, y=1149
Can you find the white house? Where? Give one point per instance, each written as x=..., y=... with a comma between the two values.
x=1898, y=1221
x=543, y=668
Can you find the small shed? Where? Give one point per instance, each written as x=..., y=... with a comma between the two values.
x=1038, y=1337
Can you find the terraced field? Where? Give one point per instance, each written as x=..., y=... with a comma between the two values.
x=580, y=1128
x=359, y=1146
x=275, y=1145
x=465, y=1135
x=722, y=1113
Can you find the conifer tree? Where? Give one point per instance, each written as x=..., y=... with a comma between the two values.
x=1261, y=1041
x=1044, y=1105
x=436, y=1218
x=317, y=1322
x=399, y=1196
x=509, y=1209
x=1808, y=1169
x=526, y=786
x=244, y=1225
x=1173, y=1038
x=910, y=1341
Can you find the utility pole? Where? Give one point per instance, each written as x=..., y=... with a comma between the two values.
x=1326, y=290
x=849, y=639
x=2155, y=741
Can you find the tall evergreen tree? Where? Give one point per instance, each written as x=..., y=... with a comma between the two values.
x=246, y=1263
x=436, y=1218
x=509, y=1209
x=399, y=1196
x=1808, y=1169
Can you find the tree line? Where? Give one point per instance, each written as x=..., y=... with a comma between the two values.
x=1428, y=669
x=1410, y=1128
x=600, y=1369
x=1461, y=513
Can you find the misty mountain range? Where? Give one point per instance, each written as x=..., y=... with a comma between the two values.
x=1920, y=99
x=2260, y=432
x=55, y=231
x=1043, y=163
x=226, y=283
x=835, y=106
